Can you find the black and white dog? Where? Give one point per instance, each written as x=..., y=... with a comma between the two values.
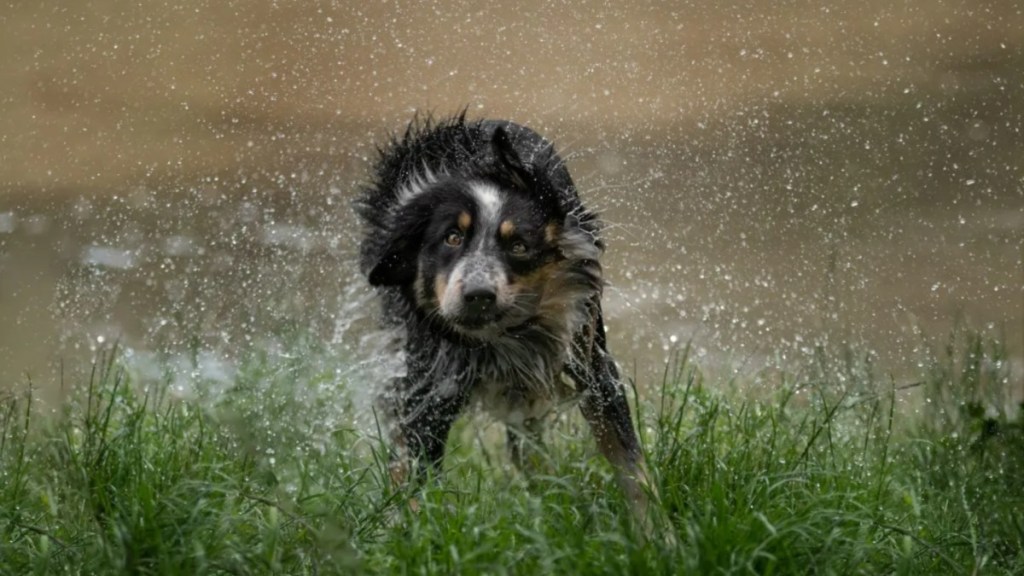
x=488, y=262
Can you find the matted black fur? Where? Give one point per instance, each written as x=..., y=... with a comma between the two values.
x=488, y=266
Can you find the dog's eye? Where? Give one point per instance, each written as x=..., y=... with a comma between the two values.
x=518, y=249
x=454, y=238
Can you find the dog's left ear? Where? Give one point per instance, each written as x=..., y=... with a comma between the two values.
x=534, y=176
x=400, y=251
x=509, y=160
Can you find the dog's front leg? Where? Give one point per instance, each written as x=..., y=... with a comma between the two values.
x=606, y=409
x=419, y=436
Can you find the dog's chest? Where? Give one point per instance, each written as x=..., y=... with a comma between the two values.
x=514, y=405
x=519, y=385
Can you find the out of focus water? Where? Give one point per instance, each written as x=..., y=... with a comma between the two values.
x=179, y=179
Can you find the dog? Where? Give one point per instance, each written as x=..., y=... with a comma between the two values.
x=488, y=264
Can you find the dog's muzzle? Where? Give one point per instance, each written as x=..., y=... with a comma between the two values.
x=479, y=305
x=479, y=301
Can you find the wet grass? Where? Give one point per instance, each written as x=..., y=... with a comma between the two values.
x=834, y=472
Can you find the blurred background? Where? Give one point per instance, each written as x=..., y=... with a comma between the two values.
x=776, y=176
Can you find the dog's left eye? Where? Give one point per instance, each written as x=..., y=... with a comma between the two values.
x=454, y=238
x=518, y=249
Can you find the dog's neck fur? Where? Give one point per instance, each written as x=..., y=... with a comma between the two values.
x=514, y=376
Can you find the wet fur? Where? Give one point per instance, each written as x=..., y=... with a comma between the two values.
x=548, y=320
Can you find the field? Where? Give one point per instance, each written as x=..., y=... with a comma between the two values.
x=835, y=469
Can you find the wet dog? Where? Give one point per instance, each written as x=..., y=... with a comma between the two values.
x=488, y=264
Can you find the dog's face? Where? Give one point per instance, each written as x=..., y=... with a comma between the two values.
x=486, y=260
x=488, y=250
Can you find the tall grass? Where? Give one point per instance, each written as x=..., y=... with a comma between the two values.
x=835, y=473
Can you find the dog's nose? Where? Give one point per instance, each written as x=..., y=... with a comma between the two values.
x=479, y=300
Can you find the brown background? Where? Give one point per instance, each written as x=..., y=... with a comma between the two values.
x=775, y=173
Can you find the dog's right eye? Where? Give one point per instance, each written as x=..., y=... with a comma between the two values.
x=454, y=238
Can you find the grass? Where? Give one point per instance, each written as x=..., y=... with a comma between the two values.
x=834, y=472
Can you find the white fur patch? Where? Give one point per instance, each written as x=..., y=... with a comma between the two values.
x=489, y=199
x=451, y=300
x=417, y=183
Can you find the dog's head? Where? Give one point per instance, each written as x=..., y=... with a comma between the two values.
x=491, y=247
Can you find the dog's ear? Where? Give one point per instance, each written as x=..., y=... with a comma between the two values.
x=400, y=251
x=533, y=176
x=509, y=161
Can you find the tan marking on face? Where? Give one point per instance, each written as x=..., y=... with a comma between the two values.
x=440, y=287
x=537, y=282
x=506, y=229
x=551, y=232
x=465, y=220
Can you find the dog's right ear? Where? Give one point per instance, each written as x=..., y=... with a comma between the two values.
x=399, y=252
